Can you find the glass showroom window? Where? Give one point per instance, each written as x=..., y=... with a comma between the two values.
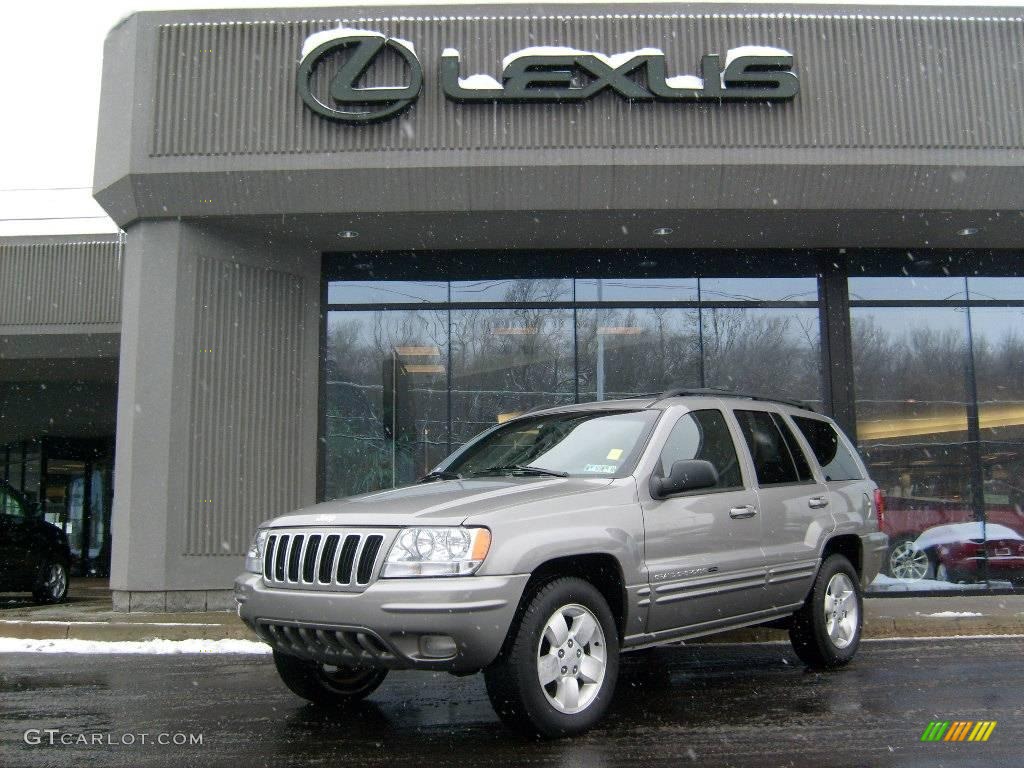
x=438, y=362
x=506, y=361
x=386, y=399
x=998, y=346
x=937, y=379
x=630, y=351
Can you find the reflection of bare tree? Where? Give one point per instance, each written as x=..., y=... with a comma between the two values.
x=999, y=365
x=768, y=351
x=645, y=350
x=907, y=363
x=511, y=358
x=359, y=345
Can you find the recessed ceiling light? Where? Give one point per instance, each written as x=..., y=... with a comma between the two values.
x=663, y=231
x=348, y=234
x=968, y=231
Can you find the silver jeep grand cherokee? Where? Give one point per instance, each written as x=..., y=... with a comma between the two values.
x=551, y=543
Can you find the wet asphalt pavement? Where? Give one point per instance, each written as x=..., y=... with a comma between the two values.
x=730, y=705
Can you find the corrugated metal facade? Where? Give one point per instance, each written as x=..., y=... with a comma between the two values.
x=60, y=282
x=247, y=399
x=866, y=82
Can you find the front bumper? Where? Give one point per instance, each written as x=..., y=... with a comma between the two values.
x=386, y=624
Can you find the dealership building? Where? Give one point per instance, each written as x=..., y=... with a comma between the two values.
x=355, y=237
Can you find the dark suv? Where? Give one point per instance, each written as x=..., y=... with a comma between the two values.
x=34, y=555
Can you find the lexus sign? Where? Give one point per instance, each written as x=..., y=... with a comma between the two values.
x=536, y=74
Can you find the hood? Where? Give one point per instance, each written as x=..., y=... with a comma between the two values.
x=447, y=502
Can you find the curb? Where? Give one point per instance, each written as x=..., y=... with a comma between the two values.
x=233, y=628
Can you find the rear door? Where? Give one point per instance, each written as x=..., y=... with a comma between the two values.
x=702, y=548
x=794, y=504
x=850, y=491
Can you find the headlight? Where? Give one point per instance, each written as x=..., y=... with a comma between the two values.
x=254, y=557
x=437, y=552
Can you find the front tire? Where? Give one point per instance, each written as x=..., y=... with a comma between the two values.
x=327, y=685
x=556, y=675
x=826, y=630
x=51, y=584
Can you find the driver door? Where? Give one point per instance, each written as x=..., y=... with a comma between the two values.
x=703, y=548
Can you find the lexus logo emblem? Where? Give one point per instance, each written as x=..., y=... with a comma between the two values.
x=534, y=74
x=346, y=101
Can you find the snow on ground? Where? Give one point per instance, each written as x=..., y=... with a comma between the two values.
x=952, y=615
x=883, y=583
x=106, y=623
x=19, y=645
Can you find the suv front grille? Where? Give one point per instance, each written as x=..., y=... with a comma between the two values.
x=327, y=559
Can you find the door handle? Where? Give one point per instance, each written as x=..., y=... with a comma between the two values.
x=739, y=513
x=817, y=502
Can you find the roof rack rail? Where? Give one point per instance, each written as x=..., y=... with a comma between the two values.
x=709, y=391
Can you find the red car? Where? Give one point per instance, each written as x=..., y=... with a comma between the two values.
x=907, y=520
x=961, y=549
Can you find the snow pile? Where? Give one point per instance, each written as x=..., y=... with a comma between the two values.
x=953, y=615
x=480, y=83
x=19, y=645
x=955, y=533
x=615, y=61
x=317, y=39
x=753, y=50
x=883, y=583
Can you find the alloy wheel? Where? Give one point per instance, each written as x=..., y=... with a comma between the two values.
x=907, y=562
x=56, y=581
x=571, y=658
x=842, y=611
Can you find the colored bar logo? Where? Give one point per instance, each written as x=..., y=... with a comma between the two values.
x=958, y=730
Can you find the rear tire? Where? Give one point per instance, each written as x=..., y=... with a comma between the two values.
x=826, y=630
x=52, y=584
x=325, y=685
x=556, y=675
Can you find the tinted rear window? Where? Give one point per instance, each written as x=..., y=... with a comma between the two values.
x=772, y=460
x=803, y=468
x=835, y=458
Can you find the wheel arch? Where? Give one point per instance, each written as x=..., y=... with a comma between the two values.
x=601, y=569
x=850, y=546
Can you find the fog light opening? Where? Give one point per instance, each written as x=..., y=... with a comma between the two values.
x=437, y=646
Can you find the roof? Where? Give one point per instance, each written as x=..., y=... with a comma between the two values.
x=669, y=398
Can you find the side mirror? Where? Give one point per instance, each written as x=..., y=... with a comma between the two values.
x=689, y=475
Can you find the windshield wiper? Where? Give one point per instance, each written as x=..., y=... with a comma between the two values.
x=440, y=474
x=524, y=469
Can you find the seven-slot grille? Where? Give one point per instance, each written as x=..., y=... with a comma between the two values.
x=329, y=559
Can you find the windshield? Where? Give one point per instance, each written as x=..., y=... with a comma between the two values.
x=590, y=444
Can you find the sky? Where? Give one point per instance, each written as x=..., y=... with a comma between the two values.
x=46, y=159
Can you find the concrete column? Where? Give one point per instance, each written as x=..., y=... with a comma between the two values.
x=217, y=407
